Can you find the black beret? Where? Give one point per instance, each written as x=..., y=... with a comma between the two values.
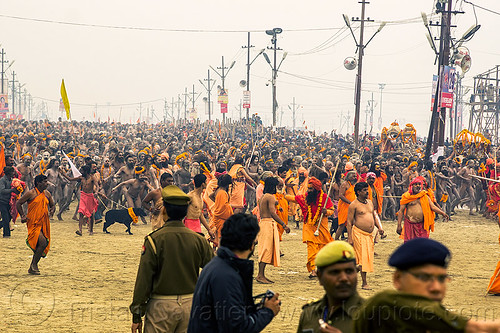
x=418, y=252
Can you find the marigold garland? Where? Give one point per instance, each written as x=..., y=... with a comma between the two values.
x=309, y=211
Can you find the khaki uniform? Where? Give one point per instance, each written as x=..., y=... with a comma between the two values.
x=341, y=318
x=168, y=270
x=393, y=311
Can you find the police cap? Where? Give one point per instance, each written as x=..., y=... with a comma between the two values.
x=335, y=252
x=418, y=252
x=175, y=196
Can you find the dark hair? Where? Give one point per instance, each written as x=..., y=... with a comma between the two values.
x=239, y=232
x=8, y=170
x=282, y=169
x=85, y=170
x=270, y=185
x=199, y=180
x=175, y=212
x=360, y=186
x=322, y=176
x=39, y=179
x=164, y=176
x=238, y=160
x=224, y=180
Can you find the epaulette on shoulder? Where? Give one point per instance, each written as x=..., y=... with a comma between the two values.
x=151, y=233
x=311, y=302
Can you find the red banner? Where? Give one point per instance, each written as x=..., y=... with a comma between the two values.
x=223, y=108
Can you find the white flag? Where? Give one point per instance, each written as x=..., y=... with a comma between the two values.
x=75, y=171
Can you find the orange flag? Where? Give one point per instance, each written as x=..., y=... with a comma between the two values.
x=2, y=158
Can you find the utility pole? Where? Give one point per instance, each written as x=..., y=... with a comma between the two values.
x=185, y=103
x=223, y=75
x=360, y=49
x=3, y=62
x=13, y=90
x=241, y=105
x=293, y=112
x=179, y=102
x=372, y=105
x=381, y=87
x=436, y=128
x=208, y=88
x=248, y=47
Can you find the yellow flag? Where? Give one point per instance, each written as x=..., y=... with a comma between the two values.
x=64, y=97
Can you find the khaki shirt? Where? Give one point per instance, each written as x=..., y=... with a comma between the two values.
x=341, y=318
x=393, y=311
x=170, y=264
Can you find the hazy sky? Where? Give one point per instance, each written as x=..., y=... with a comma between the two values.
x=151, y=59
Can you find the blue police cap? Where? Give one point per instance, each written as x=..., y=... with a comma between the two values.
x=418, y=252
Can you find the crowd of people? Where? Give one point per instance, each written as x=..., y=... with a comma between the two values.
x=182, y=176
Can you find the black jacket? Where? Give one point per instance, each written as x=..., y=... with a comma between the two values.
x=222, y=300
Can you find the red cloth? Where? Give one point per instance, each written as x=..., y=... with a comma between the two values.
x=414, y=230
x=316, y=183
x=88, y=204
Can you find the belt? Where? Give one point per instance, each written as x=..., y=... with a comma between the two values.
x=172, y=297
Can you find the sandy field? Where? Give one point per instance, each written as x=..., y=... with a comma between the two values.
x=87, y=282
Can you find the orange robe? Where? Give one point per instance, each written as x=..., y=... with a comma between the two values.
x=379, y=188
x=282, y=211
x=315, y=243
x=38, y=221
x=238, y=190
x=379, y=198
x=268, y=242
x=343, y=207
x=221, y=212
x=494, y=285
x=364, y=248
x=211, y=187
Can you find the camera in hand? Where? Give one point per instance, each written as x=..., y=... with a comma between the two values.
x=263, y=297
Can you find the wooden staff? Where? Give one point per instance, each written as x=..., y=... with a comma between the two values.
x=488, y=179
x=316, y=233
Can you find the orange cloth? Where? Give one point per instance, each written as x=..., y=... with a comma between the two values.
x=38, y=221
x=268, y=242
x=238, y=190
x=312, y=251
x=211, y=187
x=343, y=207
x=238, y=194
x=379, y=197
x=364, y=248
x=221, y=211
x=423, y=196
x=379, y=188
x=282, y=211
x=494, y=285
x=303, y=187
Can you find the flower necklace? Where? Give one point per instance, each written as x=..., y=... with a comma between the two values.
x=309, y=212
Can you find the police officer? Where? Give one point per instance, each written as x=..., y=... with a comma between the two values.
x=337, y=273
x=421, y=280
x=168, y=270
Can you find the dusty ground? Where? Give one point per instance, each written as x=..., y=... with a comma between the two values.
x=86, y=283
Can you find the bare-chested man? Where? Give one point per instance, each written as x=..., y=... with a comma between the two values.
x=417, y=210
x=54, y=181
x=156, y=207
x=26, y=170
x=124, y=174
x=88, y=202
x=409, y=174
x=195, y=209
x=182, y=177
x=268, y=238
x=361, y=221
x=466, y=191
x=137, y=189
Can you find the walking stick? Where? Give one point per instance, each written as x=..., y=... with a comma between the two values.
x=316, y=233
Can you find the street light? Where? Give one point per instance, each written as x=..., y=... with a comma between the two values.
x=273, y=33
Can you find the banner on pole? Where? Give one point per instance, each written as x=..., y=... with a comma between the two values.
x=222, y=98
x=434, y=86
x=448, y=85
x=64, y=97
x=223, y=108
x=246, y=99
x=4, y=103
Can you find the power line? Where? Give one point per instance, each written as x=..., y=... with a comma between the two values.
x=483, y=8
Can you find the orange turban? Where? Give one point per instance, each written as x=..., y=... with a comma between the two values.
x=315, y=183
